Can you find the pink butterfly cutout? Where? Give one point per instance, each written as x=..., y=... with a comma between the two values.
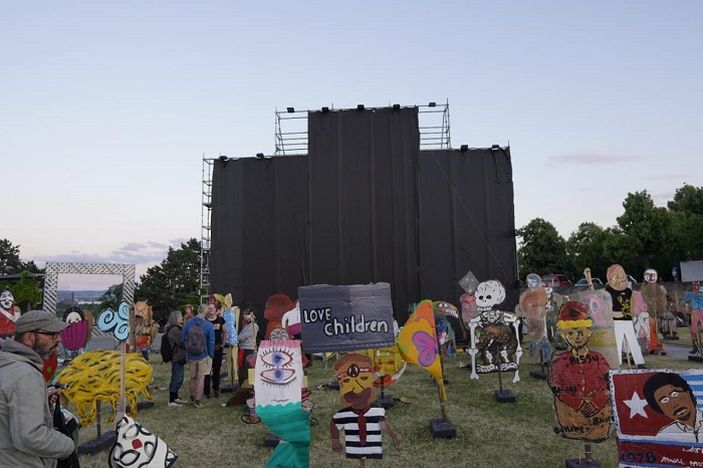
x=426, y=346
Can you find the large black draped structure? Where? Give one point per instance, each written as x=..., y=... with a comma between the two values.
x=365, y=205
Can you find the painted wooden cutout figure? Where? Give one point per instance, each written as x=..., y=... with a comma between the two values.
x=533, y=309
x=655, y=296
x=621, y=295
x=578, y=378
x=641, y=320
x=9, y=313
x=95, y=376
x=231, y=342
x=278, y=382
x=361, y=422
x=78, y=333
x=499, y=340
x=137, y=447
x=694, y=299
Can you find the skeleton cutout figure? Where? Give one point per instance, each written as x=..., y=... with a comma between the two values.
x=533, y=309
x=499, y=340
x=9, y=313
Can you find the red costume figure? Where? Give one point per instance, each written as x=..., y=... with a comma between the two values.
x=9, y=313
x=578, y=378
x=276, y=306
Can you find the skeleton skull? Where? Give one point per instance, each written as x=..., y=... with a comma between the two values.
x=489, y=294
x=651, y=276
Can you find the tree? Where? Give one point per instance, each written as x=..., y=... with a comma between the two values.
x=174, y=282
x=688, y=199
x=111, y=298
x=585, y=248
x=26, y=291
x=10, y=262
x=542, y=249
x=648, y=227
x=686, y=230
x=9, y=258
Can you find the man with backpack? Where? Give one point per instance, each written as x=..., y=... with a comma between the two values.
x=198, y=339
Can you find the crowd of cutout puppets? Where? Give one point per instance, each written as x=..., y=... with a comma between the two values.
x=598, y=375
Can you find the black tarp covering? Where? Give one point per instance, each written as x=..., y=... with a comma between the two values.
x=467, y=221
x=363, y=198
x=364, y=206
x=259, y=210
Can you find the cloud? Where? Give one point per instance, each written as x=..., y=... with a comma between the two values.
x=593, y=159
x=137, y=246
x=669, y=177
x=663, y=196
x=133, y=253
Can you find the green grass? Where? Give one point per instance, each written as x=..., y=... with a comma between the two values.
x=490, y=434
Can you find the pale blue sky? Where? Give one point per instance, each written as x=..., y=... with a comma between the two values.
x=107, y=107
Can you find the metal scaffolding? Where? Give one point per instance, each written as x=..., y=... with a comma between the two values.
x=434, y=126
x=205, y=228
x=291, y=138
x=291, y=128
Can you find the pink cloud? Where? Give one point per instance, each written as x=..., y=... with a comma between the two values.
x=593, y=159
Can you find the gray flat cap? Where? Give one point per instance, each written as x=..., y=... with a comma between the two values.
x=39, y=320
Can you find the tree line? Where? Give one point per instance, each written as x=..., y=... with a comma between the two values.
x=644, y=236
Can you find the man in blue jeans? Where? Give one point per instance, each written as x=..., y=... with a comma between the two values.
x=198, y=339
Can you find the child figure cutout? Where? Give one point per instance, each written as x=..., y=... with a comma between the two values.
x=361, y=421
x=578, y=378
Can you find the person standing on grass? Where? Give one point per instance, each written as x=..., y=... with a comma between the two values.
x=247, y=342
x=174, y=328
x=187, y=313
x=218, y=325
x=198, y=339
x=27, y=435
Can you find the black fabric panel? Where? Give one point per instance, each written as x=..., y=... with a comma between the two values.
x=258, y=245
x=467, y=221
x=363, y=199
x=227, y=223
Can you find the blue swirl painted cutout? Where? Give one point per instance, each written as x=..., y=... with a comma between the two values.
x=115, y=322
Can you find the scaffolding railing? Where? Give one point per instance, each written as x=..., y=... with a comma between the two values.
x=205, y=228
x=291, y=128
x=435, y=131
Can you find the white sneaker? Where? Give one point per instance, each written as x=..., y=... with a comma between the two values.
x=174, y=404
x=181, y=402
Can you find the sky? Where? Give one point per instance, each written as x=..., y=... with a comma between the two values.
x=107, y=108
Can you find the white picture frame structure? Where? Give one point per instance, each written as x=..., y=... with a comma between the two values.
x=54, y=269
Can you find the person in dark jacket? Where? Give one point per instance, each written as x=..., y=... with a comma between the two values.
x=174, y=328
x=27, y=435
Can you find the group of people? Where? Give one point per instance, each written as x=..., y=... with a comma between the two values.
x=201, y=342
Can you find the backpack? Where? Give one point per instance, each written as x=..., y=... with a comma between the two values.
x=166, y=348
x=195, y=343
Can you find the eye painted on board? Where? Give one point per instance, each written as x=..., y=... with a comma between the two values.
x=279, y=365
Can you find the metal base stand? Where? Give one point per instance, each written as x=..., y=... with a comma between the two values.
x=505, y=396
x=271, y=440
x=100, y=443
x=442, y=428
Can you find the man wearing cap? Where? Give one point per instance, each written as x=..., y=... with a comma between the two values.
x=27, y=435
x=578, y=378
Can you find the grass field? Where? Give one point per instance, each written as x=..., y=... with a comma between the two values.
x=490, y=434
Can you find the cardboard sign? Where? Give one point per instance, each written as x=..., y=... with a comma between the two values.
x=659, y=416
x=347, y=317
